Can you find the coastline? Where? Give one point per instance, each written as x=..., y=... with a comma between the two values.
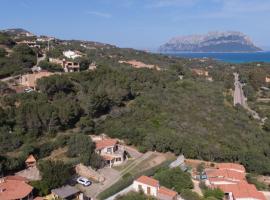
x=228, y=57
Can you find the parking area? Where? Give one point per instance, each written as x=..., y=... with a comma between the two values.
x=93, y=190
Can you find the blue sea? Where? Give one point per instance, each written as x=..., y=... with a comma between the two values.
x=228, y=57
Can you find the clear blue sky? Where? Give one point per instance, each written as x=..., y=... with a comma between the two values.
x=137, y=23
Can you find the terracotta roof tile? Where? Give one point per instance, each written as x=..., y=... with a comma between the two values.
x=16, y=178
x=226, y=174
x=167, y=192
x=148, y=181
x=231, y=166
x=14, y=189
x=242, y=190
x=105, y=143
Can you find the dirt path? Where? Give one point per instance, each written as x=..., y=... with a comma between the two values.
x=197, y=188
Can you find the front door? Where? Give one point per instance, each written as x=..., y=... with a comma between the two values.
x=148, y=190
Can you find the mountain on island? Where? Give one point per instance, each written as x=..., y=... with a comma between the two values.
x=211, y=42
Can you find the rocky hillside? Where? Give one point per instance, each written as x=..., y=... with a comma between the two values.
x=17, y=32
x=211, y=42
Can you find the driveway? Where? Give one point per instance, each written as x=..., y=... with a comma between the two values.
x=93, y=190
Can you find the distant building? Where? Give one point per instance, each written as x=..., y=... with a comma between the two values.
x=150, y=186
x=29, y=43
x=30, y=80
x=92, y=66
x=241, y=191
x=45, y=38
x=68, y=66
x=200, y=72
x=267, y=79
x=72, y=54
x=111, y=151
x=15, y=188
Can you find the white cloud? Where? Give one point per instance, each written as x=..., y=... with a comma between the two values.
x=169, y=3
x=99, y=14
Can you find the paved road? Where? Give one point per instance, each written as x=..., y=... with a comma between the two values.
x=239, y=98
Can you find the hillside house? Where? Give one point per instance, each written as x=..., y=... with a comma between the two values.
x=203, y=73
x=30, y=80
x=68, y=66
x=200, y=72
x=241, y=191
x=15, y=188
x=267, y=79
x=92, y=66
x=72, y=54
x=44, y=38
x=150, y=186
x=231, y=179
x=224, y=176
x=29, y=43
x=111, y=151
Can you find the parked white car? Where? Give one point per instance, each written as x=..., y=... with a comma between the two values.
x=84, y=181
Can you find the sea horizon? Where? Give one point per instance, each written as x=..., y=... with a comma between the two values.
x=229, y=57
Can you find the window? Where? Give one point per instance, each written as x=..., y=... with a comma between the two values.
x=140, y=188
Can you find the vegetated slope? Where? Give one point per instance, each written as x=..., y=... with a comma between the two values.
x=211, y=42
x=151, y=109
x=20, y=58
x=191, y=117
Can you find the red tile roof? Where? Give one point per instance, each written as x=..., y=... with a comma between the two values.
x=148, y=181
x=215, y=181
x=17, y=178
x=105, y=143
x=167, y=192
x=242, y=190
x=226, y=174
x=231, y=166
x=14, y=189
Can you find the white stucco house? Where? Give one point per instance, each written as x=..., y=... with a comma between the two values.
x=151, y=187
x=113, y=153
x=72, y=54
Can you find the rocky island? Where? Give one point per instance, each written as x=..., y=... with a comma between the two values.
x=211, y=42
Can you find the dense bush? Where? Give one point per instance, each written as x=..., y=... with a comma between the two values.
x=135, y=196
x=51, y=67
x=174, y=178
x=54, y=174
x=216, y=193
